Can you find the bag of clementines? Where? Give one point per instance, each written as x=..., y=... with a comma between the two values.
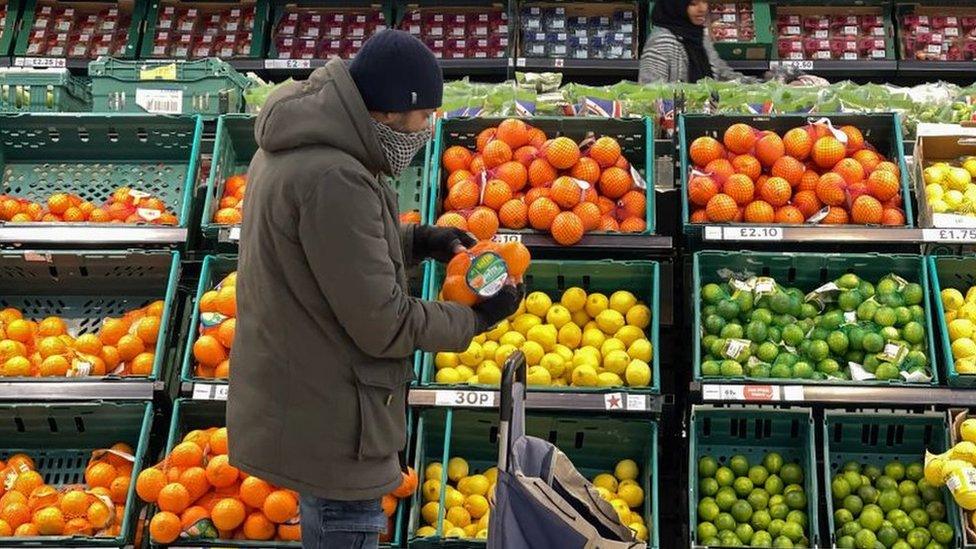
x=479, y=273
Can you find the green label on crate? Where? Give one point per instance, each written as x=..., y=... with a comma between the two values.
x=201, y=529
x=487, y=274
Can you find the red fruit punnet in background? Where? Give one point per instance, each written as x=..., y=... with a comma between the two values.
x=758, y=211
x=739, y=138
x=561, y=152
x=496, y=193
x=892, y=217
x=831, y=189
x=634, y=204
x=456, y=158
x=746, y=164
x=869, y=159
x=722, y=209
x=855, y=139
x=798, y=143
x=807, y=202
x=827, y=152
x=835, y=216
x=589, y=214
x=699, y=216
x=788, y=168
x=484, y=137
x=705, y=149
x=514, y=132
x=789, y=215
x=587, y=170
x=719, y=170
x=809, y=181
x=850, y=169
x=483, y=223
x=632, y=225
x=566, y=192
x=513, y=214
x=701, y=189
x=496, y=153
x=605, y=151
x=542, y=212
x=769, y=149
x=513, y=173
x=776, y=191
x=866, y=210
x=567, y=228
x=541, y=173
x=525, y=155
x=615, y=182
x=740, y=188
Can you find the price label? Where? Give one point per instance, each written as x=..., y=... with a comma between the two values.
x=234, y=235
x=793, y=393
x=287, y=63
x=558, y=63
x=520, y=62
x=41, y=62
x=637, y=402
x=949, y=235
x=507, y=237
x=821, y=34
x=751, y=393
x=728, y=17
x=792, y=30
x=202, y=391
x=220, y=392
x=469, y=399
x=805, y=65
x=752, y=233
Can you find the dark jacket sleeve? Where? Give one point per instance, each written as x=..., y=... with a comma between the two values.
x=350, y=257
x=406, y=241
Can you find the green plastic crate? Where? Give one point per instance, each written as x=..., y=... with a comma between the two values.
x=205, y=86
x=642, y=278
x=43, y=90
x=234, y=146
x=91, y=155
x=215, y=268
x=9, y=28
x=636, y=138
x=753, y=431
x=809, y=271
x=593, y=444
x=85, y=287
x=61, y=437
x=881, y=130
x=756, y=50
x=203, y=414
x=135, y=9
x=876, y=437
x=836, y=8
x=951, y=272
x=259, y=33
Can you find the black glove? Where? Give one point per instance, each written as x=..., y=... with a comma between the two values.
x=440, y=243
x=498, y=307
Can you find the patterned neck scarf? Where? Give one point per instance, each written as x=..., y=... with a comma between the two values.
x=400, y=147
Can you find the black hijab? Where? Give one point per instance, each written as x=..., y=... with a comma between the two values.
x=673, y=15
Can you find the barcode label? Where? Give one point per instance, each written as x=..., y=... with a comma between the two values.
x=160, y=101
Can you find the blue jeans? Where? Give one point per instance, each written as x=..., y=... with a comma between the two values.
x=333, y=524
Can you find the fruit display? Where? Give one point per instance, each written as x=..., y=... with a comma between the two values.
x=578, y=32
x=310, y=32
x=731, y=22
x=956, y=468
x=465, y=497
x=582, y=340
x=83, y=30
x=29, y=507
x=124, y=205
x=194, y=30
x=937, y=35
x=516, y=178
x=759, y=504
x=960, y=321
x=231, y=206
x=218, y=323
x=621, y=487
x=848, y=329
x=846, y=35
x=813, y=174
x=949, y=187
x=55, y=347
x=895, y=505
x=460, y=33
x=963, y=429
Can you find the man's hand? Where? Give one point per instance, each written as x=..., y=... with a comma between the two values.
x=440, y=243
x=498, y=307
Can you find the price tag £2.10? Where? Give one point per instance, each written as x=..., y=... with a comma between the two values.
x=465, y=399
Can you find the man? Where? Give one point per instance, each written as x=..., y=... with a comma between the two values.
x=325, y=326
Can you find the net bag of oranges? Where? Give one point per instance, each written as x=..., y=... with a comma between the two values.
x=481, y=272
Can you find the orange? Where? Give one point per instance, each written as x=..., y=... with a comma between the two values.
x=147, y=329
x=220, y=472
x=459, y=264
x=561, y=152
x=74, y=214
x=634, y=203
x=496, y=153
x=477, y=164
x=567, y=228
x=892, y=216
x=831, y=189
x=222, y=370
x=456, y=158
x=866, y=210
x=226, y=302
x=789, y=169
x=513, y=132
x=20, y=330
x=290, y=532
x=827, y=152
x=534, y=193
x=586, y=170
x=49, y=521
x=464, y=195
x=110, y=356
x=769, y=149
x=389, y=504
x=566, y=192
x=633, y=225
x=483, y=223
x=541, y=172
x=835, y=216
x=809, y=181
x=719, y=170
x=883, y=185
x=78, y=527
x=525, y=155
x=228, y=514
x=606, y=151
x=704, y=150
x=850, y=169
x=218, y=441
x=192, y=515
x=5, y=530
x=513, y=173
x=74, y=504
x=456, y=289
x=254, y=491
x=855, y=139
x=208, y=302
x=36, y=211
x=164, y=527
x=789, y=215
x=496, y=193
x=25, y=483
x=99, y=515
x=721, y=208
x=129, y=347
x=739, y=138
x=542, y=212
x=174, y=497
x=199, y=437
x=228, y=216
x=280, y=506
x=452, y=219
x=10, y=314
x=258, y=527
x=701, y=189
x=21, y=462
x=459, y=176
x=807, y=202
x=227, y=202
x=51, y=326
x=58, y=203
x=484, y=137
x=776, y=191
x=120, y=488
x=615, y=182
x=17, y=366
x=798, y=143
x=43, y=496
x=15, y=514
x=100, y=474
x=234, y=183
x=589, y=214
x=888, y=167
x=409, y=483
x=536, y=137
x=759, y=211
x=50, y=346
x=142, y=364
x=54, y=366
x=208, y=351
x=186, y=454
x=88, y=344
x=746, y=164
x=194, y=479
x=869, y=159
x=26, y=530
x=513, y=214
x=9, y=208
x=740, y=188
x=516, y=257
x=608, y=224
x=112, y=330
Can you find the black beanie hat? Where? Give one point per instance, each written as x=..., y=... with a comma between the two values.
x=395, y=72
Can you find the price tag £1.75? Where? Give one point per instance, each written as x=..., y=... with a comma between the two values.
x=949, y=235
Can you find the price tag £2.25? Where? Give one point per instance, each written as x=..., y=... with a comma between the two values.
x=466, y=399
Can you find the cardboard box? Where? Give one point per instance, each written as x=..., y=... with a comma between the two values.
x=941, y=143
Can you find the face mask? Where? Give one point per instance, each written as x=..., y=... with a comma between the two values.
x=400, y=147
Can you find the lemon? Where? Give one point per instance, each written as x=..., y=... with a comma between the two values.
x=584, y=376
x=934, y=192
x=633, y=495
x=558, y=316
x=966, y=365
x=968, y=430
x=626, y=481
x=638, y=373
x=971, y=295
x=640, y=531
x=965, y=451
x=473, y=380
x=483, y=521
x=472, y=355
x=457, y=468
x=639, y=315
x=593, y=355
x=938, y=206
x=953, y=199
x=433, y=471
x=593, y=337
x=464, y=372
x=470, y=530
x=641, y=349
x=492, y=475
x=596, y=303
x=543, y=334
x=574, y=299
x=963, y=487
x=539, y=376
x=570, y=335
x=612, y=344
x=485, y=364
x=952, y=465
x=490, y=375
x=610, y=321
x=626, y=470
x=522, y=323
x=453, y=498
x=554, y=363
x=591, y=325
x=498, y=331
x=564, y=352
x=608, y=379
x=431, y=489
x=952, y=299
x=488, y=349
x=968, y=311
x=620, y=506
x=482, y=534
x=606, y=481
x=426, y=531
x=580, y=318
x=429, y=512
x=453, y=532
x=533, y=352
x=480, y=338
x=635, y=517
x=607, y=495
x=477, y=484
x=513, y=338
x=559, y=382
x=951, y=315
x=959, y=328
x=629, y=334
x=963, y=348
x=446, y=360
x=622, y=300
x=448, y=376
x=934, y=465
x=503, y=351
x=538, y=304
x=616, y=362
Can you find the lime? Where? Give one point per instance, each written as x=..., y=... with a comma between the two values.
x=855, y=338
x=928, y=492
x=760, y=520
x=708, y=486
x=791, y=473
x=731, y=368
x=778, y=510
x=851, y=528
x=908, y=487
x=727, y=538
x=724, y=521
x=712, y=293
x=832, y=320
x=707, y=509
x=918, y=538
x=868, y=494
x=725, y=497
x=936, y=510
x=756, y=331
x=728, y=309
x=838, y=342
x=845, y=542
x=895, y=470
x=761, y=539
x=759, y=370
x=901, y=544
x=871, y=519
x=724, y=476
x=887, y=535
x=710, y=368
x=887, y=285
x=739, y=465
x=718, y=347
x=819, y=350
x=890, y=332
x=782, y=542
x=761, y=315
x=776, y=527
x=867, y=310
x=839, y=488
x=758, y=499
x=795, y=500
x=706, y=530
x=732, y=330
x=873, y=472
x=714, y=324
x=780, y=302
x=912, y=293
x=849, y=301
x=853, y=504
x=853, y=478
x=866, y=289
x=802, y=370
x=781, y=371
x=873, y=343
x=773, y=462
x=797, y=516
x=919, y=517
x=918, y=313
x=742, y=486
x=885, y=316
x=706, y=311
x=893, y=516
x=807, y=310
x=889, y=500
x=793, y=531
x=773, y=484
x=758, y=474
x=767, y=351
x=913, y=332
x=707, y=342
x=903, y=315
x=848, y=281
x=793, y=335
x=828, y=366
x=941, y=532
x=910, y=503
x=865, y=539
x=744, y=532
x=842, y=517
x=871, y=363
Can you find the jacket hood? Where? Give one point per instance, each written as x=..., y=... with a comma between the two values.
x=327, y=109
